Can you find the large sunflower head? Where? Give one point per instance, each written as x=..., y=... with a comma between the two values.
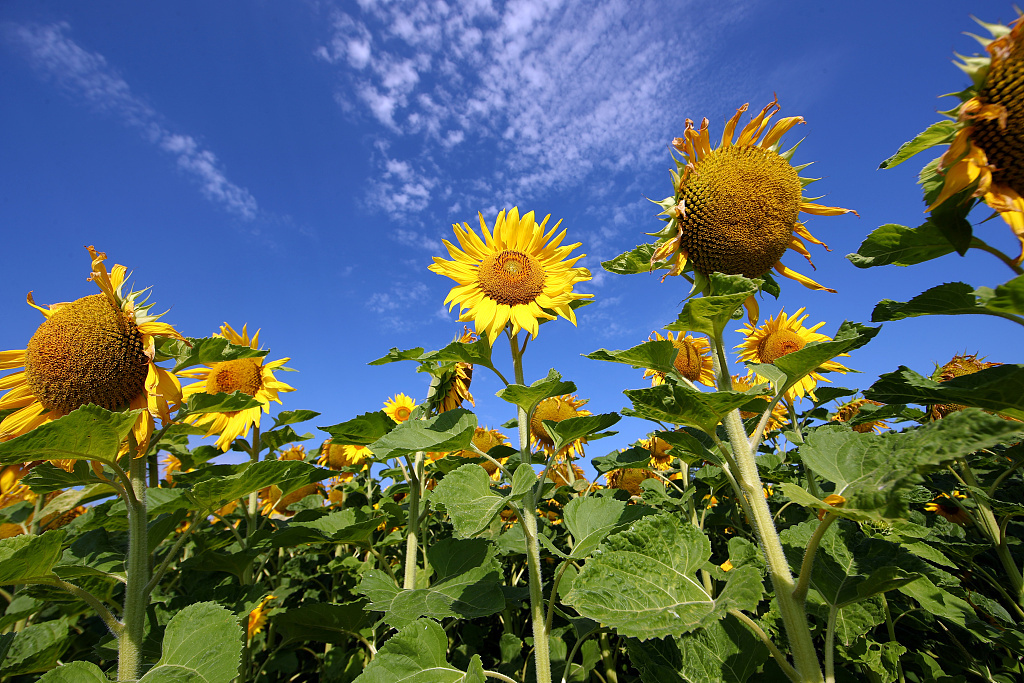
x=693, y=359
x=987, y=152
x=556, y=409
x=251, y=376
x=736, y=207
x=782, y=335
x=518, y=274
x=95, y=350
x=958, y=366
x=629, y=480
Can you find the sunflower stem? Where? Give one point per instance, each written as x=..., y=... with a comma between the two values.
x=541, y=647
x=136, y=595
x=983, y=246
x=413, y=525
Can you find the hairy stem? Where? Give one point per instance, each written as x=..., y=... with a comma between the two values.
x=136, y=595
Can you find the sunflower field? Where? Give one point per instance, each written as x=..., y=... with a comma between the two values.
x=769, y=525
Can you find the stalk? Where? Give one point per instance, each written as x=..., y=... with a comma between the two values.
x=541, y=648
x=413, y=526
x=136, y=595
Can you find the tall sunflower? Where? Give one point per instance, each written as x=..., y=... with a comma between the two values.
x=518, y=274
x=987, y=152
x=95, y=350
x=556, y=409
x=247, y=375
x=781, y=335
x=693, y=360
x=736, y=207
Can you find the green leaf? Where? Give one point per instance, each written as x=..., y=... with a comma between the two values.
x=950, y=217
x=1005, y=298
x=290, y=417
x=395, y=355
x=467, y=496
x=652, y=355
x=349, y=525
x=952, y=298
x=25, y=558
x=523, y=479
x=416, y=654
x=590, y=520
x=205, y=641
x=679, y=404
x=288, y=475
x=799, y=364
x=657, y=557
x=902, y=246
x=217, y=403
x=362, y=430
x=689, y=447
x=999, y=389
x=45, y=478
x=939, y=601
x=235, y=563
x=527, y=398
x=723, y=651
x=323, y=622
x=476, y=353
x=204, y=351
x=93, y=553
x=710, y=314
x=38, y=647
x=74, y=672
x=89, y=433
x=276, y=438
x=939, y=133
x=635, y=261
x=635, y=457
x=583, y=427
x=67, y=500
x=467, y=585
x=450, y=431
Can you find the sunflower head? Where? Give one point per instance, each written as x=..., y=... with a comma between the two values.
x=296, y=452
x=98, y=350
x=782, y=335
x=486, y=439
x=336, y=456
x=451, y=387
x=958, y=366
x=518, y=274
x=735, y=208
x=779, y=413
x=692, y=361
x=948, y=507
x=661, y=457
x=566, y=474
x=847, y=411
x=556, y=409
x=258, y=617
x=629, y=480
x=399, y=407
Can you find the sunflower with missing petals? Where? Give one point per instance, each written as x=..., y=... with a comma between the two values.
x=782, y=335
x=692, y=361
x=986, y=153
x=518, y=274
x=258, y=617
x=958, y=366
x=99, y=350
x=556, y=409
x=736, y=207
x=248, y=375
x=848, y=411
x=399, y=407
x=451, y=387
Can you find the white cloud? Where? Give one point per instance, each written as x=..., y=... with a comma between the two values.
x=87, y=76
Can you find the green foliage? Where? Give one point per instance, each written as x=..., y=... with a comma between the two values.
x=679, y=404
x=527, y=398
x=323, y=623
x=710, y=314
x=416, y=654
x=723, y=651
x=75, y=672
x=939, y=133
x=635, y=261
x=362, y=430
x=956, y=298
x=204, y=351
x=89, y=433
x=25, y=559
x=202, y=643
x=450, y=431
x=583, y=427
x=659, y=356
x=999, y=388
x=198, y=404
x=466, y=495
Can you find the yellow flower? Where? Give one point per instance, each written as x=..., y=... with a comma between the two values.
x=274, y=500
x=779, y=413
x=848, y=411
x=947, y=506
x=726, y=566
x=247, y=375
x=296, y=452
x=833, y=499
x=337, y=456
x=693, y=360
x=453, y=385
x=782, y=335
x=661, y=458
x=11, y=489
x=258, y=617
x=629, y=480
x=987, y=153
x=736, y=207
x=518, y=274
x=958, y=366
x=486, y=439
x=171, y=465
x=96, y=350
x=399, y=407
x=709, y=501
x=566, y=474
x=556, y=409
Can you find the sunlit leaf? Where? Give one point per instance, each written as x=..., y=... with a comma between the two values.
x=316, y=526
x=89, y=433
x=590, y=520
x=901, y=246
x=38, y=647
x=467, y=497
x=1005, y=298
x=939, y=133
x=290, y=417
x=690, y=447
x=679, y=404
x=635, y=261
x=362, y=430
x=74, y=672
x=657, y=355
x=416, y=654
x=636, y=457
x=28, y=558
x=204, y=351
x=711, y=314
x=999, y=388
x=217, y=403
x=450, y=431
x=288, y=475
x=527, y=398
x=202, y=643
x=583, y=427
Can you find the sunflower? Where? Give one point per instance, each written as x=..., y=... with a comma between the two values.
x=947, y=506
x=958, y=366
x=847, y=411
x=399, y=407
x=96, y=350
x=518, y=274
x=735, y=209
x=247, y=375
x=987, y=153
x=12, y=490
x=486, y=439
x=337, y=456
x=296, y=452
x=172, y=464
x=779, y=413
x=453, y=383
x=693, y=359
x=556, y=409
x=258, y=617
x=629, y=480
x=661, y=458
x=779, y=336
x=566, y=474
x=275, y=500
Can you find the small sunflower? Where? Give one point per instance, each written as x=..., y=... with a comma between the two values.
x=486, y=439
x=337, y=456
x=779, y=413
x=275, y=501
x=987, y=153
x=693, y=360
x=399, y=407
x=661, y=458
x=779, y=336
x=629, y=480
x=566, y=474
x=258, y=617
x=518, y=274
x=96, y=350
x=453, y=384
x=947, y=507
x=736, y=207
x=296, y=452
x=171, y=465
x=958, y=366
x=12, y=490
x=847, y=411
x=556, y=409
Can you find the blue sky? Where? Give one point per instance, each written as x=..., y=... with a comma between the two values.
x=295, y=166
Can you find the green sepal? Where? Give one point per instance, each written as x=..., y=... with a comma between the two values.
x=203, y=351
x=89, y=433
x=999, y=388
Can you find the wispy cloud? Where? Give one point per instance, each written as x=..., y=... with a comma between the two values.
x=523, y=96
x=87, y=76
